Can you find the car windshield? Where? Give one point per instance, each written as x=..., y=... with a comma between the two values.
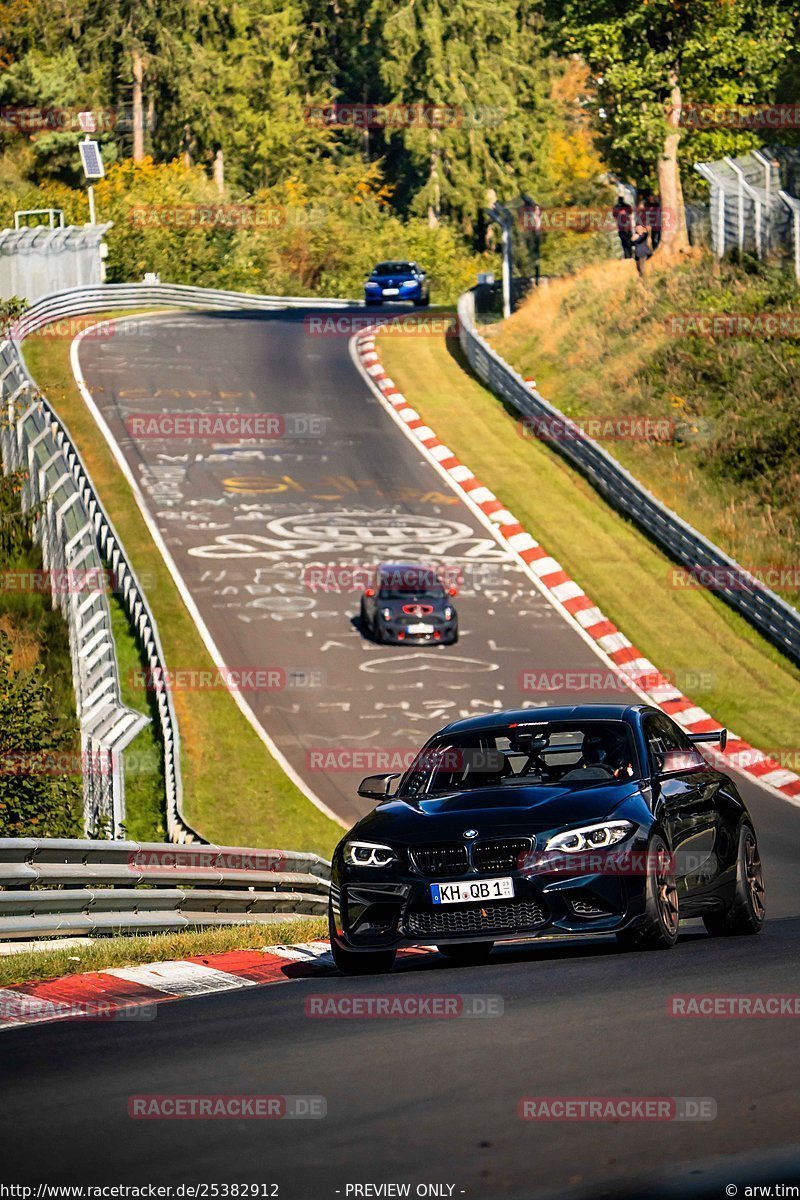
x=530, y=754
x=402, y=583
x=393, y=268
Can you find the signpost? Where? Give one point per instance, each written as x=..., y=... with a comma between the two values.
x=90, y=157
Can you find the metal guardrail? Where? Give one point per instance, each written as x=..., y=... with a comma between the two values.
x=78, y=537
x=59, y=887
x=771, y=615
x=105, y=297
x=70, y=527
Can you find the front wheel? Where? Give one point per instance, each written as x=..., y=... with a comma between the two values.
x=349, y=962
x=746, y=913
x=468, y=953
x=659, y=929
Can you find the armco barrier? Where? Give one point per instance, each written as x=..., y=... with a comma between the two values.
x=771, y=615
x=77, y=536
x=57, y=887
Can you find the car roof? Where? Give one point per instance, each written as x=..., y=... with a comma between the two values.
x=407, y=566
x=532, y=716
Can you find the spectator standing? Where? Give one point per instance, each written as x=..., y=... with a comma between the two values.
x=652, y=210
x=623, y=215
x=641, y=247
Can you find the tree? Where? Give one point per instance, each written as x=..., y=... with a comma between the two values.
x=652, y=57
x=37, y=795
x=465, y=72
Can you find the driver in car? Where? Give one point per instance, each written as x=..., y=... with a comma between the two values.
x=609, y=751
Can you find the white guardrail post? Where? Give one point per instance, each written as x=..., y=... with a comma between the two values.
x=771, y=615
x=77, y=536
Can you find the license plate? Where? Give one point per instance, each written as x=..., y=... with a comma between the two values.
x=423, y=628
x=391, y=291
x=462, y=893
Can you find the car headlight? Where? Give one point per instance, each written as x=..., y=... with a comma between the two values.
x=386, y=613
x=372, y=284
x=368, y=854
x=591, y=837
x=448, y=613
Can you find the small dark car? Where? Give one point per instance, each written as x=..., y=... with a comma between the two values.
x=409, y=603
x=395, y=282
x=583, y=819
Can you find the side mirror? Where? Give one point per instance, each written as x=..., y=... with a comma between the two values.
x=678, y=762
x=716, y=735
x=369, y=591
x=376, y=787
x=452, y=591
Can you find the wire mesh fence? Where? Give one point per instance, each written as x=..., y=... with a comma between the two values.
x=752, y=209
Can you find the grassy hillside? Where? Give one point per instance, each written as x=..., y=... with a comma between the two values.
x=602, y=345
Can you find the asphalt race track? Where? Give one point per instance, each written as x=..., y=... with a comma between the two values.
x=419, y=1100
x=249, y=524
x=251, y=529
x=430, y=1100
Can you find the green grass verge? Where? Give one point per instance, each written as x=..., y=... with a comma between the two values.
x=712, y=653
x=126, y=951
x=234, y=791
x=143, y=761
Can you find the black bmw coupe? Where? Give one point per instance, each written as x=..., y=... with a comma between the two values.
x=583, y=819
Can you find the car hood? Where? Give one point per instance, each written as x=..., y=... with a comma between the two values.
x=501, y=811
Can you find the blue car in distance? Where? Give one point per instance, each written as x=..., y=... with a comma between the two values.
x=395, y=282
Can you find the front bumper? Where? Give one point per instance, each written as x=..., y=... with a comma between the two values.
x=370, y=915
x=392, y=296
x=395, y=634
